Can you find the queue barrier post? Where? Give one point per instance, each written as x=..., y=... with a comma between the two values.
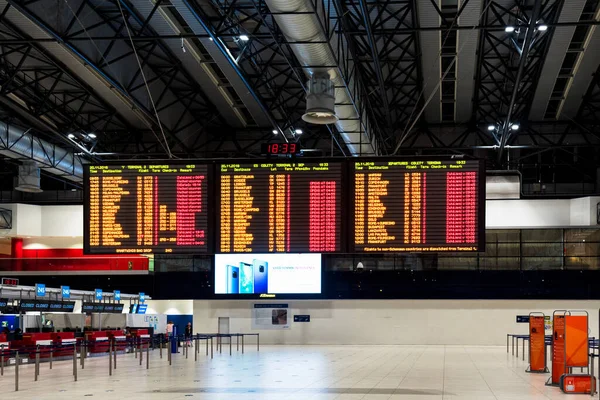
x=211, y=347
x=206, y=346
x=82, y=352
x=243, y=343
x=110, y=364
x=51, y=355
x=148, y=356
x=160, y=347
x=75, y=362
x=169, y=350
x=17, y=371
x=36, y=368
x=196, y=349
x=140, y=351
x=1, y=360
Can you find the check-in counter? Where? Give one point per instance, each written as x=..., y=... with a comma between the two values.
x=97, y=341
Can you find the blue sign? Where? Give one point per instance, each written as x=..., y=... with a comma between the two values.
x=99, y=294
x=142, y=297
x=40, y=289
x=66, y=292
x=522, y=319
x=117, y=295
x=301, y=318
x=141, y=309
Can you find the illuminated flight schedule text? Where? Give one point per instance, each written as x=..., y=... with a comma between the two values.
x=146, y=209
x=417, y=206
x=279, y=207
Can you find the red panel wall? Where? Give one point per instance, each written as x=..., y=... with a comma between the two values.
x=72, y=260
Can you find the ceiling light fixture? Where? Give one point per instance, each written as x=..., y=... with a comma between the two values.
x=509, y=29
x=92, y=135
x=543, y=28
x=491, y=127
x=298, y=131
x=71, y=136
x=515, y=127
x=244, y=38
x=275, y=131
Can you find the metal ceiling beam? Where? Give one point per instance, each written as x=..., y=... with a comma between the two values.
x=375, y=56
x=531, y=28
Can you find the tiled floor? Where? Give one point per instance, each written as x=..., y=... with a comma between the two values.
x=297, y=372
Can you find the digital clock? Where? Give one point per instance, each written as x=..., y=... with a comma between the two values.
x=10, y=281
x=280, y=148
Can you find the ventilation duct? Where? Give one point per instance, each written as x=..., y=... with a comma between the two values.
x=28, y=179
x=320, y=101
x=19, y=144
x=301, y=26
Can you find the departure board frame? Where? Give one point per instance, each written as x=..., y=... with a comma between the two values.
x=187, y=249
x=413, y=247
x=343, y=203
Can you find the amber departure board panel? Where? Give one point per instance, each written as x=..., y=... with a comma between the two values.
x=418, y=206
x=280, y=207
x=145, y=208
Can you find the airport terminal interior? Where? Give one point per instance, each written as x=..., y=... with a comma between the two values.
x=300, y=199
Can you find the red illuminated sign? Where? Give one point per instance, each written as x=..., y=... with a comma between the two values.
x=10, y=281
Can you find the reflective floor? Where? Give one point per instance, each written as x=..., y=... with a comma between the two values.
x=296, y=372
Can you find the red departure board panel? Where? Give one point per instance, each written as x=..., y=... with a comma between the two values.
x=280, y=207
x=146, y=209
x=418, y=206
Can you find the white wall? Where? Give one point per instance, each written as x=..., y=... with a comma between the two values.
x=170, y=307
x=507, y=214
x=432, y=322
x=62, y=220
x=56, y=221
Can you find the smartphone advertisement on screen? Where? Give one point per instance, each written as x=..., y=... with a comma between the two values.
x=267, y=274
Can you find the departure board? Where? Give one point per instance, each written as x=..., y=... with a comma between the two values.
x=280, y=207
x=418, y=206
x=138, y=209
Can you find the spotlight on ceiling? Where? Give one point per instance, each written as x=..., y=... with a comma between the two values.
x=71, y=136
x=92, y=135
x=275, y=131
x=515, y=127
x=509, y=29
x=244, y=38
x=491, y=127
x=298, y=131
x=543, y=28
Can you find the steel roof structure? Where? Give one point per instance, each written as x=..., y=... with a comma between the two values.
x=514, y=81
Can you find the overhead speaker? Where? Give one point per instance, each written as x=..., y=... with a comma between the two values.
x=320, y=101
x=28, y=179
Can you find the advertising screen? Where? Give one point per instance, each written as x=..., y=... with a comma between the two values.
x=251, y=274
x=146, y=208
